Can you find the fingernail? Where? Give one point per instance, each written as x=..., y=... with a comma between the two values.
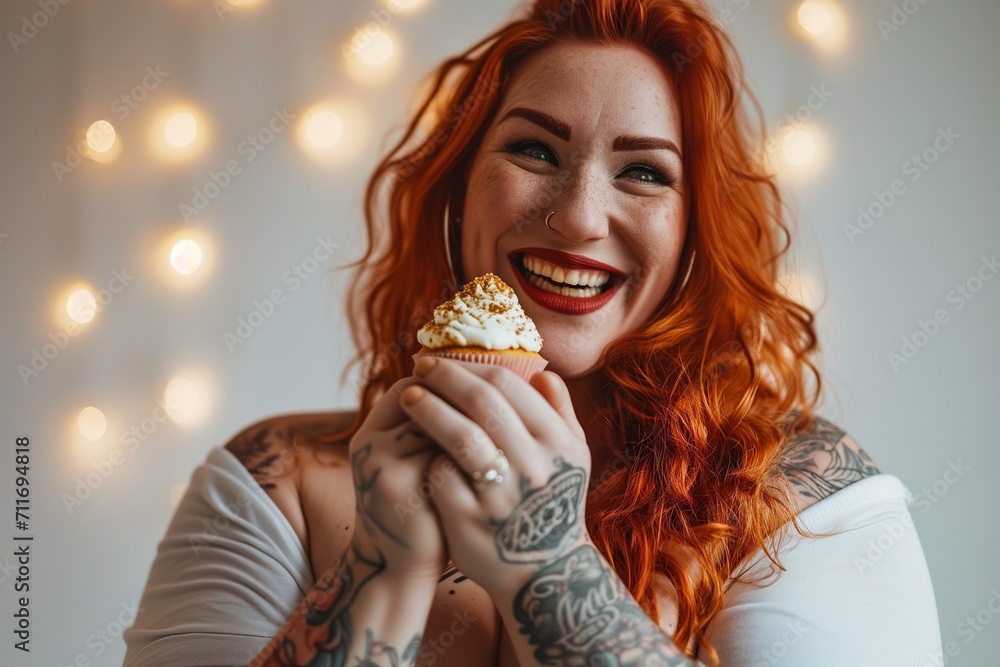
x=413, y=394
x=424, y=365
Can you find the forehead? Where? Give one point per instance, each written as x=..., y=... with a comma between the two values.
x=617, y=83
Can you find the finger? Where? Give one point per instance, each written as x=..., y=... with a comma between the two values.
x=476, y=397
x=460, y=437
x=453, y=493
x=409, y=441
x=533, y=412
x=556, y=393
x=385, y=414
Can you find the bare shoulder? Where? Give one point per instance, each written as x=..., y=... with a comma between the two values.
x=305, y=474
x=823, y=460
x=275, y=448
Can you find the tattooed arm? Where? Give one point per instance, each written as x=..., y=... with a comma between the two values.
x=355, y=615
x=571, y=609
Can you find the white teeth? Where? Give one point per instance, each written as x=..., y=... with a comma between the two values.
x=545, y=285
x=579, y=277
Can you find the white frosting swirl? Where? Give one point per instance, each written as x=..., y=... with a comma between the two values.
x=484, y=314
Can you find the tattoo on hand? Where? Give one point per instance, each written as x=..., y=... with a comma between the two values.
x=546, y=521
x=364, y=484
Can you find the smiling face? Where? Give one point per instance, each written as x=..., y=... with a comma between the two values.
x=591, y=132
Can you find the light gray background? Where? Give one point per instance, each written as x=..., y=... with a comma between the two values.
x=890, y=98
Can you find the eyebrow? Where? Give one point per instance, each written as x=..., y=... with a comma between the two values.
x=563, y=131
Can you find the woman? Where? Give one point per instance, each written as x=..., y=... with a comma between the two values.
x=647, y=480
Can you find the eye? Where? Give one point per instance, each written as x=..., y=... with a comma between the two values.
x=531, y=149
x=652, y=175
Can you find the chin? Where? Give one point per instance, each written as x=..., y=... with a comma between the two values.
x=569, y=364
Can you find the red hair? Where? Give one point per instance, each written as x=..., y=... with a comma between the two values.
x=704, y=396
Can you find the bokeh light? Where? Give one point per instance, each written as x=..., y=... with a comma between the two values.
x=100, y=136
x=822, y=22
x=333, y=132
x=372, y=55
x=181, y=129
x=799, y=147
x=92, y=423
x=178, y=132
x=323, y=128
x=81, y=306
x=185, y=256
x=814, y=17
x=188, y=397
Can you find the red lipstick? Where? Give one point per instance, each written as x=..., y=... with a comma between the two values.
x=569, y=305
x=566, y=260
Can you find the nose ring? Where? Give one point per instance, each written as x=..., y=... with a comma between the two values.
x=547, y=225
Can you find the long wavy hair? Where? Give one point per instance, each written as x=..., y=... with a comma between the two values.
x=703, y=397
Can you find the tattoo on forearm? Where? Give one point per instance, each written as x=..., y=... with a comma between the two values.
x=576, y=611
x=321, y=631
x=821, y=462
x=546, y=521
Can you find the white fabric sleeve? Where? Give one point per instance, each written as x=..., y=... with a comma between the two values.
x=227, y=575
x=860, y=597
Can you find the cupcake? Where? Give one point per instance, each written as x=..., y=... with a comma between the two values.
x=484, y=323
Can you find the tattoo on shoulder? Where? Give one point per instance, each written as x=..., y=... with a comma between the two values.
x=824, y=460
x=266, y=453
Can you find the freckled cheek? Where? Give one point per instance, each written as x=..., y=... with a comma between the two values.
x=658, y=242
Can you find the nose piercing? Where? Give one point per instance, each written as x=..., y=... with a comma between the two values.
x=547, y=225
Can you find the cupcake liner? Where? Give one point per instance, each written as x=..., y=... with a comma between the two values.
x=524, y=366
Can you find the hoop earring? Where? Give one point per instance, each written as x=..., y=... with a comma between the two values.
x=447, y=241
x=687, y=274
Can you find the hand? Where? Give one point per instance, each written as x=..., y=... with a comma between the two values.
x=500, y=536
x=395, y=528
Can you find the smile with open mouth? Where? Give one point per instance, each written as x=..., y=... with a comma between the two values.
x=564, y=283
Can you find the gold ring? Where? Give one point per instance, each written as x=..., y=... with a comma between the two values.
x=491, y=475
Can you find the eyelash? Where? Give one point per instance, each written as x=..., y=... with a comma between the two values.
x=659, y=176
